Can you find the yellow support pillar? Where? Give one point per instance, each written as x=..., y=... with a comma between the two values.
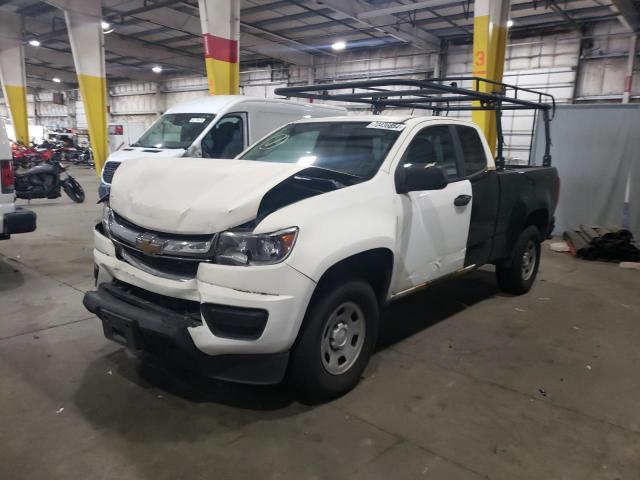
x=489, y=45
x=12, y=73
x=84, y=24
x=220, y=21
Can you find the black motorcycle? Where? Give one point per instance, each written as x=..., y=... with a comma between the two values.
x=43, y=181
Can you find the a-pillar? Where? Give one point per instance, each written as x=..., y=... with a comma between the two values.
x=490, y=19
x=220, y=21
x=84, y=24
x=12, y=73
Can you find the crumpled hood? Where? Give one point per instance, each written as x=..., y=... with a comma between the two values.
x=193, y=195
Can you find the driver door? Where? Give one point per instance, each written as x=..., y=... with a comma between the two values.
x=433, y=230
x=227, y=137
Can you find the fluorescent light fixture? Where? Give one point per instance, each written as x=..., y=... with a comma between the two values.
x=509, y=23
x=339, y=45
x=156, y=69
x=34, y=43
x=105, y=25
x=56, y=80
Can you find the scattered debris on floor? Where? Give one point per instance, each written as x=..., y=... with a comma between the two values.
x=600, y=243
x=543, y=392
x=630, y=265
x=560, y=247
x=60, y=410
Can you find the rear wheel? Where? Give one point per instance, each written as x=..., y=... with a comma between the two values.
x=336, y=340
x=518, y=276
x=73, y=189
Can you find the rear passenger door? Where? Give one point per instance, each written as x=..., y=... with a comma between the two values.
x=434, y=230
x=485, y=192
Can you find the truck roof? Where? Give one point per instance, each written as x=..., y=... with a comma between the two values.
x=218, y=103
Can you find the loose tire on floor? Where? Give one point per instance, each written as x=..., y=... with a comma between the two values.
x=518, y=276
x=336, y=340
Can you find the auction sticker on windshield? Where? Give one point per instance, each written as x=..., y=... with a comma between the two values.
x=398, y=127
x=197, y=120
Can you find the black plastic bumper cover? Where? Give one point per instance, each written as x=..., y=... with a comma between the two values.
x=20, y=221
x=163, y=332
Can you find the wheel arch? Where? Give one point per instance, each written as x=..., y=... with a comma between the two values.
x=373, y=265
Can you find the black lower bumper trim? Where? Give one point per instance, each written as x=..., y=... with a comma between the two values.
x=163, y=332
x=20, y=221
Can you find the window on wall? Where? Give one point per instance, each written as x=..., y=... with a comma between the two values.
x=474, y=156
x=433, y=145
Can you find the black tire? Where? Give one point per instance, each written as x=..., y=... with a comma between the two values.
x=73, y=189
x=308, y=372
x=517, y=276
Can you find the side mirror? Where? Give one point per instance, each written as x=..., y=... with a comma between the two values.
x=420, y=176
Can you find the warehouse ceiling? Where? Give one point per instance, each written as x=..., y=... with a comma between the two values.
x=144, y=33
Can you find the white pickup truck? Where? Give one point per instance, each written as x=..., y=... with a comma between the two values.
x=280, y=260
x=12, y=219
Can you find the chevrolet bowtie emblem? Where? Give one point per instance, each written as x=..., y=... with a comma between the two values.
x=149, y=243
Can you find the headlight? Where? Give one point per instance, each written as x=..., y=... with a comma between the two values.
x=238, y=248
x=107, y=220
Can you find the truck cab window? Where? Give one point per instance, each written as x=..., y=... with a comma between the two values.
x=433, y=145
x=472, y=149
x=225, y=139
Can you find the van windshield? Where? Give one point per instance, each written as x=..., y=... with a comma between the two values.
x=174, y=130
x=354, y=148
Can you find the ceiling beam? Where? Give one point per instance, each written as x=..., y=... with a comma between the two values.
x=65, y=60
x=412, y=7
x=153, y=53
x=628, y=14
x=388, y=24
x=47, y=73
x=288, y=51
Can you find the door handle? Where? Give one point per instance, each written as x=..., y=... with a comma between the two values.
x=462, y=200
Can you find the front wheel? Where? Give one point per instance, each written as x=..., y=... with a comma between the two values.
x=73, y=189
x=518, y=275
x=336, y=340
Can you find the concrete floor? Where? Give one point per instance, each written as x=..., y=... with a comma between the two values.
x=468, y=383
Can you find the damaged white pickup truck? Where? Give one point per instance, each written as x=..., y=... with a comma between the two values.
x=277, y=262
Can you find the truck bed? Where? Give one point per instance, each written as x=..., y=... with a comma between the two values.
x=507, y=201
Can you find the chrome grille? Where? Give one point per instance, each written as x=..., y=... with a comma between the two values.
x=125, y=234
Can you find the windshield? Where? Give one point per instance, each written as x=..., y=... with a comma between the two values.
x=354, y=148
x=174, y=130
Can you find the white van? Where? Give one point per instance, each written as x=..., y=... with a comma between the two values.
x=218, y=126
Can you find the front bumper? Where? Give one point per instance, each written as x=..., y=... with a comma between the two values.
x=279, y=290
x=139, y=324
x=19, y=221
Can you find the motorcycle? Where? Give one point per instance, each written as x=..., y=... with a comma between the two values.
x=84, y=157
x=44, y=181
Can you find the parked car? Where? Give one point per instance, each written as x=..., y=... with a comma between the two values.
x=12, y=219
x=219, y=126
x=281, y=258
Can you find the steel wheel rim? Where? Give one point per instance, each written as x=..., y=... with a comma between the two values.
x=529, y=258
x=342, y=338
